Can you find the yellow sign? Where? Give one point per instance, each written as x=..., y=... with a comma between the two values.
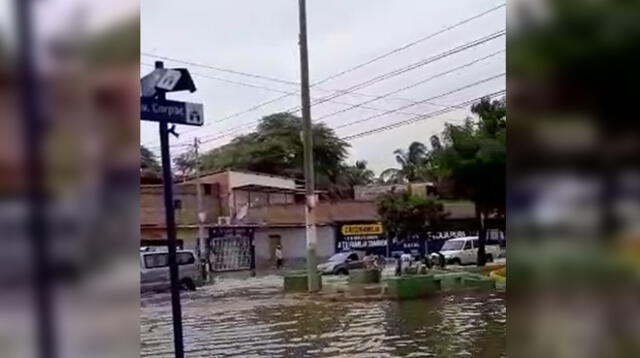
x=362, y=229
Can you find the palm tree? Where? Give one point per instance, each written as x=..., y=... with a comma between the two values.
x=411, y=165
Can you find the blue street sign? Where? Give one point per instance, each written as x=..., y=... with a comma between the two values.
x=171, y=111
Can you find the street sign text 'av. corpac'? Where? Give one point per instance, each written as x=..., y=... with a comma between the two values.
x=171, y=111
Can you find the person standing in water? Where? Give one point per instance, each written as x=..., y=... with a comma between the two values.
x=278, y=257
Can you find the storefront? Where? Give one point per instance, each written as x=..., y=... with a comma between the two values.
x=371, y=237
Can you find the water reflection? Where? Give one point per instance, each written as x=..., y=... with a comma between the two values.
x=260, y=321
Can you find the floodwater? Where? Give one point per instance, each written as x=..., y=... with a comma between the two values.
x=254, y=318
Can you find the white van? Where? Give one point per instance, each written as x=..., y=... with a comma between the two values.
x=154, y=270
x=464, y=250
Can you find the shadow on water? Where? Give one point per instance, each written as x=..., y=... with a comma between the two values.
x=260, y=321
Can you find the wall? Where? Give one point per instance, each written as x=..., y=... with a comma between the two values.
x=228, y=180
x=294, y=244
x=186, y=234
x=152, y=205
x=326, y=213
x=373, y=191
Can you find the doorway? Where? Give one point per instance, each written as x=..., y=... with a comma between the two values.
x=274, y=241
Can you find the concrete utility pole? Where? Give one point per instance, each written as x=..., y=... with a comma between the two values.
x=309, y=176
x=203, y=252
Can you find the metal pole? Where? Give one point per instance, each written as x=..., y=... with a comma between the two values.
x=40, y=239
x=167, y=183
x=310, y=215
x=203, y=252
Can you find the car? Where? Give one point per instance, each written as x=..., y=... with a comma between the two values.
x=464, y=250
x=154, y=270
x=341, y=263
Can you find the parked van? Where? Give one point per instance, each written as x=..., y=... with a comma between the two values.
x=154, y=270
x=464, y=250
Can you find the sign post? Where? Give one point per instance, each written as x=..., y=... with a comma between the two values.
x=155, y=107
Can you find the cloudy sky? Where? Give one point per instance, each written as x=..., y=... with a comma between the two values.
x=259, y=38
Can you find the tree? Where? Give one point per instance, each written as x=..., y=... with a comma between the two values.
x=185, y=163
x=276, y=148
x=350, y=176
x=149, y=166
x=474, y=157
x=358, y=174
x=411, y=165
x=405, y=215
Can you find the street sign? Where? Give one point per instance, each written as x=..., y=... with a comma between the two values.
x=171, y=111
x=168, y=80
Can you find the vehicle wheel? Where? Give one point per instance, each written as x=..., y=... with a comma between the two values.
x=188, y=284
x=456, y=261
x=489, y=258
x=342, y=271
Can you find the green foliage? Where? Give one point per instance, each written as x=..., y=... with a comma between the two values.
x=405, y=215
x=276, y=148
x=185, y=163
x=474, y=157
x=348, y=177
x=413, y=165
x=149, y=166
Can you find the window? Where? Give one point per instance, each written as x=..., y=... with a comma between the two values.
x=352, y=257
x=156, y=260
x=185, y=258
x=162, y=259
x=452, y=245
x=207, y=189
x=475, y=243
x=177, y=204
x=467, y=245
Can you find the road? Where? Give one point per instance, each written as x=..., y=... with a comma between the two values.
x=254, y=318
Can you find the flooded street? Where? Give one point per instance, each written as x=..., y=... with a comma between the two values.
x=254, y=318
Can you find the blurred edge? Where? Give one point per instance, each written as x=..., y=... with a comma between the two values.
x=573, y=197
x=88, y=78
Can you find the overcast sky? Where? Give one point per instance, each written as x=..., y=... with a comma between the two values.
x=260, y=37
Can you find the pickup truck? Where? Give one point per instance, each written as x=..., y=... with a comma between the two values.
x=464, y=250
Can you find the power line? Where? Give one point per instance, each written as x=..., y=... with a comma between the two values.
x=235, y=72
x=376, y=79
x=404, y=47
x=289, y=82
x=420, y=118
x=396, y=110
x=411, y=67
x=376, y=98
x=485, y=80
x=296, y=83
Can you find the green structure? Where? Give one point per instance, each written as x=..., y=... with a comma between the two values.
x=298, y=282
x=364, y=276
x=412, y=286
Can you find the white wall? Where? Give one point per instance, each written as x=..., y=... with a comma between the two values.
x=294, y=243
x=237, y=179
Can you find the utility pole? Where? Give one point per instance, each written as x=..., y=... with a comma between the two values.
x=313, y=279
x=167, y=182
x=203, y=252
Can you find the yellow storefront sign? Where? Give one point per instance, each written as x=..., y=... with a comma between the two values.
x=362, y=229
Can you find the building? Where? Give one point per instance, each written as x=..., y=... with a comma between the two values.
x=273, y=207
x=227, y=197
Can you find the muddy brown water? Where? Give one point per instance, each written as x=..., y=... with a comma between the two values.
x=253, y=318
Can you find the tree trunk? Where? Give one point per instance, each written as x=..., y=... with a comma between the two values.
x=482, y=237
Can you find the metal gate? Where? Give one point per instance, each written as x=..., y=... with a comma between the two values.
x=230, y=254
x=231, y=248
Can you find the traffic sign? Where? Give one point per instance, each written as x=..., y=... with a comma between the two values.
x=171, y=111
x=166, y=80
